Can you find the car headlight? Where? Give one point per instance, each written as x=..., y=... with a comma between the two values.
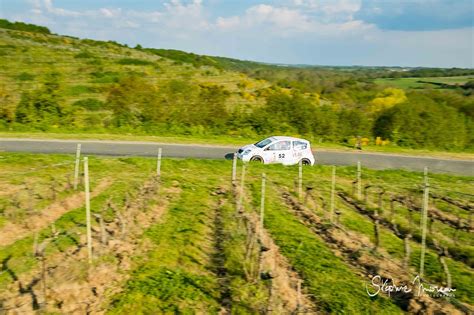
x=246, y=152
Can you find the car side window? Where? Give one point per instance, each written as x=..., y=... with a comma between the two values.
x=280, y=146
x=300, y=145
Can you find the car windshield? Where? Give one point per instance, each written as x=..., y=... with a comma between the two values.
x=263, y=143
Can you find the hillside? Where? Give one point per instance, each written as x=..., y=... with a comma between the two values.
x=54, y=83
x=86, y=68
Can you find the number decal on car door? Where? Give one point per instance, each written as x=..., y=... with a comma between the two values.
x=281, y=155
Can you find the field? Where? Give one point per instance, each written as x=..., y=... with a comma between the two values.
x=191, y=241
x=425, y=82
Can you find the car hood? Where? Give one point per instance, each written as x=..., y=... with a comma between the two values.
x=247, y=147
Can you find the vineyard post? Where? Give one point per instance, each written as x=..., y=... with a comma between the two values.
x=392, y=209
x=406, y=259
x=35, y=243
x=300, y=180
x=380, y=201
x=333, y=188
x=376, y=229
x=158, y=163
x=262, y=203
x=359, y=183
x=445, y=267
x=234, y=170
x=40, y=255
x=77, y=165
x=241, y=192
x=88, y=208
x=423, y=221
x=298, y=295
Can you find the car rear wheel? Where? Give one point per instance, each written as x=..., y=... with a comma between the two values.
x=256, y=159
x=305, y=162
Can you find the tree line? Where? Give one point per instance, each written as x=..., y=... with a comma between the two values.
x=415, y=119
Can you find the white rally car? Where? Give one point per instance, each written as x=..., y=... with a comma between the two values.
x=278, y=149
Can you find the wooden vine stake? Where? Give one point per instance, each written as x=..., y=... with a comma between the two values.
x=241, y=192
x=359, y=182
x=76, y=166
x=376, y=229
x=333, y=190
x=158, y=163
x=406, y=259
x=300, y=180
x=262, y=203
x=442, y=255
x=40, y=255
x=234, y=171
x=88, y=208
x=424, y=216
x=298, y=296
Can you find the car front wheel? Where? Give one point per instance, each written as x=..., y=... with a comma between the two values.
x=305, y=162
x=256, y=158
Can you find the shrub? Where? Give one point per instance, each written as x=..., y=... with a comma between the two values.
x=91, y=104
x=134, y=62
x=79, y=89
x=84, y=54
x=24, y=76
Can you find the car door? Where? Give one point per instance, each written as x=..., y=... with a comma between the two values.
x=278, y=152
x=299, y=148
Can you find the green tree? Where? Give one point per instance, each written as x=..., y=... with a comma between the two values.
x=132, y=101
x=43, y=106
x=421, y=122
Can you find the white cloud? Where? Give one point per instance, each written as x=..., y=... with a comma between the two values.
x=48, y=5
x=330, y=8
x=110, y=13
x=302, y=31
x=228, y=23
x=286, y=21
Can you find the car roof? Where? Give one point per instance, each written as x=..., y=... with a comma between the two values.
x=287, y=138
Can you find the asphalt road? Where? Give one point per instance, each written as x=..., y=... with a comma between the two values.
x=123, y=148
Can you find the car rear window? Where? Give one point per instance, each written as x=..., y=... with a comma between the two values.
x=300, y=145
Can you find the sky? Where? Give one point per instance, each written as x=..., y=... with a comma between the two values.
x=429, y=33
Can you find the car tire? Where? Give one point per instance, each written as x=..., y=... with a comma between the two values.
x=256, y=158
x=305, y=162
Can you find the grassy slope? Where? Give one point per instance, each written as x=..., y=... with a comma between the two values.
x=174, y=278
x=399, y=182
x=87, y=69
x=179, y=256
x=19, y=254
x=413, y=83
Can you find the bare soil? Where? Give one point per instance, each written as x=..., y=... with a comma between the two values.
x=12, y=232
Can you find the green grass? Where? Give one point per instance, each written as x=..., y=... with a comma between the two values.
x=328, y=279
x=399, y=182
x=174, y=271
x=414, y=83
x=71, y=224
x=175, y=276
